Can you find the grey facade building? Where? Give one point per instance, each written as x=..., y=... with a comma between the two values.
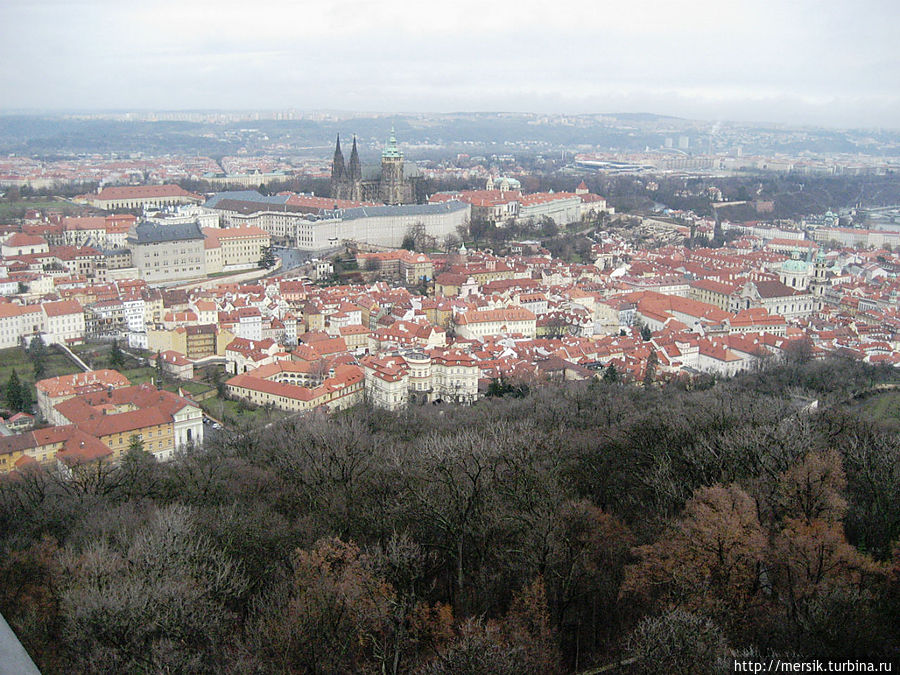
x=164, y=253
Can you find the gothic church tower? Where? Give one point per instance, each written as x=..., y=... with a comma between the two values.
x=338, y=171
x=354, y=175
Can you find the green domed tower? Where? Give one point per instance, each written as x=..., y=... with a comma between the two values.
x=392, y=184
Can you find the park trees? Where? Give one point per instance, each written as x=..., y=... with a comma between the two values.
x=711, y=556
x=37, y=352
x=116, y=356
x=267, y=258
x=526, y=533
x=154, y=598
x=18, y=393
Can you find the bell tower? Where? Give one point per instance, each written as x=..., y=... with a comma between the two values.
x=392, y=172
x=819, y=280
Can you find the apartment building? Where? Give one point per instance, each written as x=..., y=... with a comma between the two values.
x=195, y=342
x=19, y=243
x=164, y=422
x=419, y=377
x=46, y=447
x=775, y=297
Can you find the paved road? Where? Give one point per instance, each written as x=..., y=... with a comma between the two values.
x=292, y=257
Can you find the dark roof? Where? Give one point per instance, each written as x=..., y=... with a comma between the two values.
x=246, y=207
x=203, y=329
x=150, y=233
x=773, y=289
x=403, y=210
x=173, y=297
x=245, y=196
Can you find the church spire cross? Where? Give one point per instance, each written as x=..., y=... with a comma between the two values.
x=391, y=150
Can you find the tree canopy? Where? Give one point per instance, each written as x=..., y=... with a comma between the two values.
x=555, y=529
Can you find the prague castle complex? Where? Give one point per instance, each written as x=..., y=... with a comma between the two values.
x=390, y=185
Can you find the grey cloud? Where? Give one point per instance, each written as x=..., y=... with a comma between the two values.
x=826, y=62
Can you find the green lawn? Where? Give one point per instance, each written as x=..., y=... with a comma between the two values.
x=16, y=209
x=55, y=364
x=97, y=356
x=235, y=415
x=140, y=375
x=883, y=407
x=189, y=386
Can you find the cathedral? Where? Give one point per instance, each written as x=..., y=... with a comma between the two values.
x=389, y=183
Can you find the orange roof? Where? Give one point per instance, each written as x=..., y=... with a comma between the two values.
x=19, y=239
x=62, y=308
x=344, y=376
x=81, y=383
x=353, y=329
x=8, y=309
x=143, y=192
x=81, y=447
x=490, y=315
x=85, y=223
x=239, y=232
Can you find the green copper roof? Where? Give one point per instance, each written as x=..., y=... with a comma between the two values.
x=391, y=150
x=793, y=266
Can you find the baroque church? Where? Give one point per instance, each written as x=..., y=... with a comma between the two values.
x=390, y=183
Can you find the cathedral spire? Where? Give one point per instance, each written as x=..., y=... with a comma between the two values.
x=354, y=169
x=337, y=164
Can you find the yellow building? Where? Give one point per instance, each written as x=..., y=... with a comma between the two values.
x=478, y=323
x=267, y=386
x=212, y=250
x=195, y=342
x=101, y=426
x=239, y=247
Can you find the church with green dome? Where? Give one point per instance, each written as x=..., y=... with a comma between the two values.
x=390, y=183
x=795, y=273
x=805, y=276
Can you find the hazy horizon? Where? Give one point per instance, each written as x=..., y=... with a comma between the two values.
x=824, y=64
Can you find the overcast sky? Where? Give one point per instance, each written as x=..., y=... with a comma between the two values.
x=830, y=62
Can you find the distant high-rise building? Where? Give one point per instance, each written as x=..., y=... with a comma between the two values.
x=669, y=142
x=683, y=142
